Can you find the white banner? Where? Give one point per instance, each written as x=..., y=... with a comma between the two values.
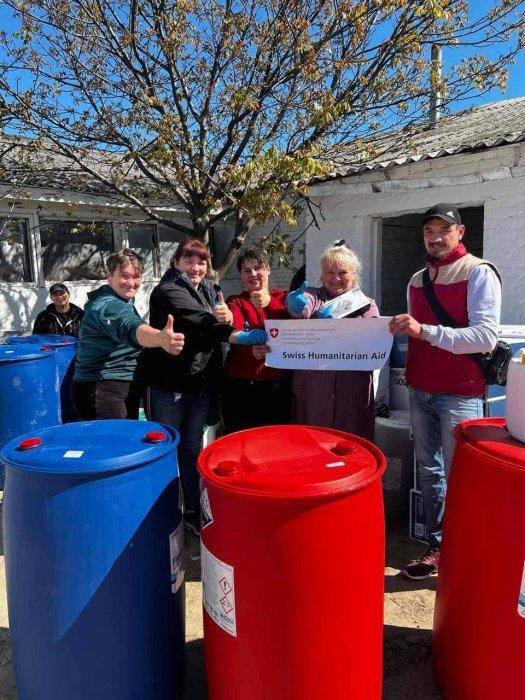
x=342, y=344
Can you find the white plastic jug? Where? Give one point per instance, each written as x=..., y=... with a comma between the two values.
x=515, y=401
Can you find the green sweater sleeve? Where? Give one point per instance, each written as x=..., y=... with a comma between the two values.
x=120, y=321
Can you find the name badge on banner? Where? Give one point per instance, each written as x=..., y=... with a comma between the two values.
x=344, y=344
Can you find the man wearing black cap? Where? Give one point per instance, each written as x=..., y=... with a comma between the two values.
x=453, y=315
x=61, y=317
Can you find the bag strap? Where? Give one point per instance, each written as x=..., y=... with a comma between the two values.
x=442, y=314
x=439, y=312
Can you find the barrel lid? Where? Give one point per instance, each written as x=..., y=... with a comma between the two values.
x=90, y=447
x=291, y=461
x=17, y=353
x=490, y=436
x=42, y=339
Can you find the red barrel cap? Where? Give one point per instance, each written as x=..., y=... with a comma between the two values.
x=291, y=461
x=29, y=443
x=155, y=436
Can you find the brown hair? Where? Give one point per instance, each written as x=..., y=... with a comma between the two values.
x=188, y=247
x=256, y=254
x=121, y=258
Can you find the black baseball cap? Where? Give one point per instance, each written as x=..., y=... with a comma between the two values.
x=447, y=212
x=58, y=287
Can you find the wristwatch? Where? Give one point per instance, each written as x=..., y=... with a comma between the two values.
x=425, y=331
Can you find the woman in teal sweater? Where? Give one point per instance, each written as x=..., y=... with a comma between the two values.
x=110, y=340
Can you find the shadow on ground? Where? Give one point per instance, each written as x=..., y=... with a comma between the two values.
x=195, y=677
x=7, y=681
x=407, y=670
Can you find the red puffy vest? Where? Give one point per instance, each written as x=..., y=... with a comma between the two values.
x=432, y=369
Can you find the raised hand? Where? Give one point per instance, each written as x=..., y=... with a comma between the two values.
x=297, y=301
x=255, y=337
x=260, y=298
x=221, y=312
x=171, y=342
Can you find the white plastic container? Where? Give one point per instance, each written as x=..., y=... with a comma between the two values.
x=398, y=389
x=515, y=403
x=392, y=436
x=381, y=389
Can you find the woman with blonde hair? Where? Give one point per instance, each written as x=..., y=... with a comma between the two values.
x=335, y=399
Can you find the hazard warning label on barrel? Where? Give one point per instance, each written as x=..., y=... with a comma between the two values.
x=218, y=591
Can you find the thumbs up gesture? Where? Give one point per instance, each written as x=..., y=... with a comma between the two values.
x=297, y=301
x=221, y=312
x=260, y=298
x=171, y=342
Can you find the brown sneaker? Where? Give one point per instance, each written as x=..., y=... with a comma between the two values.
x=424, y=567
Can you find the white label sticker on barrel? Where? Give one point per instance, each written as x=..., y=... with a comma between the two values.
x=176, y=562
x=218, y=591
x=206, y=514
x=521, y=599
x=73, y=454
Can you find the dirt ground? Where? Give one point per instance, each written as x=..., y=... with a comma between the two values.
x=407, y=632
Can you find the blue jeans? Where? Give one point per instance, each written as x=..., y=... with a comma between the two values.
x=186, y=413
x=433, y=418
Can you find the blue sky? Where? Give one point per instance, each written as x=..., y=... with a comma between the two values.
x=515, y=86
x=516, y=82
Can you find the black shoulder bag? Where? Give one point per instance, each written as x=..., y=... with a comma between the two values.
x=494, y=365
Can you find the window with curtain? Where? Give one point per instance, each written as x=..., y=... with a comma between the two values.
x=15, y=265
x=143, y=239
x=75, y=250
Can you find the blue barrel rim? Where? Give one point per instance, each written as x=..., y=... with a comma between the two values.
x=77, y=466
x=43, y=338
x=20, y=353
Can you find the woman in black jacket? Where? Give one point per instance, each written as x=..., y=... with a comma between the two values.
x=180, y=388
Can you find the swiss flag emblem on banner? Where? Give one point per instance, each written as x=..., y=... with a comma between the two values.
x=274, y=332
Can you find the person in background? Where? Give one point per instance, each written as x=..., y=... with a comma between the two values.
x=334, y=399
x=446, y=384
x=253, y=394
x=180, y=389
x=112, y=335
x=61, y=317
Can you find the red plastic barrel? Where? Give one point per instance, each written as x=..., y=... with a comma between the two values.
x=292, y=565
x=479, y=620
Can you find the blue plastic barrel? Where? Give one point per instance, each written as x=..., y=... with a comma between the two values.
x=29, y=398
x=66, y=351
x=93, y=551
x=398, y=355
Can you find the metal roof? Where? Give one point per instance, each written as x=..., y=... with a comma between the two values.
x=22, y=166
x=478, y=128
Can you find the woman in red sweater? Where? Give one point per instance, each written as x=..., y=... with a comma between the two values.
x=253, y=394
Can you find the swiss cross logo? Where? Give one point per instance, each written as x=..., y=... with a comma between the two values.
x=274, y=332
